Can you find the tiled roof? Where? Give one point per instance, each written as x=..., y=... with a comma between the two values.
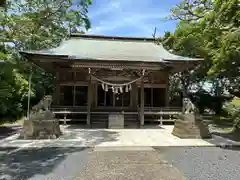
x=113, y=49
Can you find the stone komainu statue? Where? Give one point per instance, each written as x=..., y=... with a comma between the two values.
x=188, y=106
x=44, y=104
x=42, y=123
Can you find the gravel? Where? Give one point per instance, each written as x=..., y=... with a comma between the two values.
x=202, y=163
x=85, y=164
x=129, y=165
x=49, y=163
x=46, y=163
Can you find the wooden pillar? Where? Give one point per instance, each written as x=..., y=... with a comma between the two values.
x=167, y=97
x=74, y=95
x=167, y=92
x=74, y=88
x=134, y=96
x=105, y=98
x=29, y=94
x=152, y=97
x=96, y=93
x=114, y=98
x=57, y=93
x=89, y=100
x=123, y=99
x=142, y=103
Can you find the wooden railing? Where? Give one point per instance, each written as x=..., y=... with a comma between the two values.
x=163, y=113
x=147, y=110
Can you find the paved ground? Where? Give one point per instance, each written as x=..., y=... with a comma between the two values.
x=204, y=163
x=126, y=165
x=75, y=137
x=142, y=163
x=118, y=154
x=6, y=131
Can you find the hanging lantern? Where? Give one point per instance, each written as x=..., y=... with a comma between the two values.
x=116, y=90
x=112, y=89
x=103, y=86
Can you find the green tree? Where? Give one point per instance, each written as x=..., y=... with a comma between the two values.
x=217, y=25
x=211, y=30
x=34, y=25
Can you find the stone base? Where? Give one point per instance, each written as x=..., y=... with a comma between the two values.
x=188, y=127
x=115, y=121
x=41, y=129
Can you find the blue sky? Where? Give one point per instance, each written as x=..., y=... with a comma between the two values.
x=130, y=17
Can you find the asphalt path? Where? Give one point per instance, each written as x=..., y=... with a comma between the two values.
x=170, y=163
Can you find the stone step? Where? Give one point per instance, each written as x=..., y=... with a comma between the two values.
x=102, y=120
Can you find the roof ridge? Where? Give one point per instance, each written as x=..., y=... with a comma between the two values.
x=90, y=36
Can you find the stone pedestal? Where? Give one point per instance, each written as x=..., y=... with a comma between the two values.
x=116, y=121
x=188, y=126
x=44, y=129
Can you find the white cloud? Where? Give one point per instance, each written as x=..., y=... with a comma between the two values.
x=107, y=8
x=116, y=14
x=139, y=21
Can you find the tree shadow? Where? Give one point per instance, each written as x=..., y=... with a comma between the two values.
x=224, y=141
x=231, y=134
x=29, y=162
x=149, y=126
x=6, y=131
x=26, y=163
x=91, y=137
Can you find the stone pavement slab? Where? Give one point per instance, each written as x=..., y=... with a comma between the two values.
x=75, y=137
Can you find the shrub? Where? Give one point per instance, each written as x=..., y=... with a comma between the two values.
x=234, y=113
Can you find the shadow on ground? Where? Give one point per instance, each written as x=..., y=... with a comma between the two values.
x=233, y=135
x=223, y=142
x=26, y=163
x=6, y=131
x=90, y=137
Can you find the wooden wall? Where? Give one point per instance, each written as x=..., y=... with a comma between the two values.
x=79, y=77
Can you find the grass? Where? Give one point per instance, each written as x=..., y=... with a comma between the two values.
x=12, y=123
x=236, y=101
x=224, y=128
x=220, y=123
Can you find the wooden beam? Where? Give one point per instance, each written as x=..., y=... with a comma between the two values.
x=148, y=85
x=95, y=63
x=142, y=103
x=77, y=83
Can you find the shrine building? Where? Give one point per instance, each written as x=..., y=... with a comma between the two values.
x=100, y=75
